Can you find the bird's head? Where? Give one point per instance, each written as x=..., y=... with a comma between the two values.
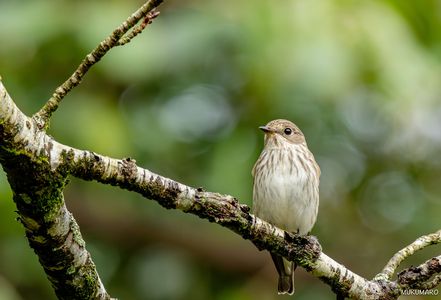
x=282, y=131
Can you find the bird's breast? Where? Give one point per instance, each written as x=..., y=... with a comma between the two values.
x=285, y=193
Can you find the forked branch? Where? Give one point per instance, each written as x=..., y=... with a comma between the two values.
x=419, y=244
x=116, y=38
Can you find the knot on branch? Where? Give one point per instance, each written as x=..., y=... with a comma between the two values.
x=303, y=249
x=129, y=168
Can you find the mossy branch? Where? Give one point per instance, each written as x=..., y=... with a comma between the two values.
x=50, y=228
x=52, y=162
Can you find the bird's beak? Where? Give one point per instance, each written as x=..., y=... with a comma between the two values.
x=266, y=129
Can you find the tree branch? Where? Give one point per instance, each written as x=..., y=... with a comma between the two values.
x=138, y=28
x=116, y=38
x=20, y=132
x=50, y=228
x=419, y=244
x=419, y=277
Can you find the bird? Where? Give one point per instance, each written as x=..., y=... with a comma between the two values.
x=286, y=188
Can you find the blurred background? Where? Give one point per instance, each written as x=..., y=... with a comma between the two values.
x=361, y=79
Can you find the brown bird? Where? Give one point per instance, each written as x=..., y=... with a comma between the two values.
x=286, y=188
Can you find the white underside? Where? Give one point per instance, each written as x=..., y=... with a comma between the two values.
x=287, y=200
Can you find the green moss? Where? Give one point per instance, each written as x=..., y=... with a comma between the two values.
x=39, y=239
x=339, y=286
x=77, y=234
x=17, y=151
x=29, y=223
x=25, y=198
x=86, y=281
x=90, y=275
x=51, y=199
x=71, y=270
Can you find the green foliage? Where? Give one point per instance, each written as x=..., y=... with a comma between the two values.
x=185, y=98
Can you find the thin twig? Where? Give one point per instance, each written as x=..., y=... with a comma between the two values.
x=397, y=259
x=138, y=28
x=43, y=116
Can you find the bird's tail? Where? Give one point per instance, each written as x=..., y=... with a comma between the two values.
x=285, y=269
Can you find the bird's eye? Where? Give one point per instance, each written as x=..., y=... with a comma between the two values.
x=287, y=131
